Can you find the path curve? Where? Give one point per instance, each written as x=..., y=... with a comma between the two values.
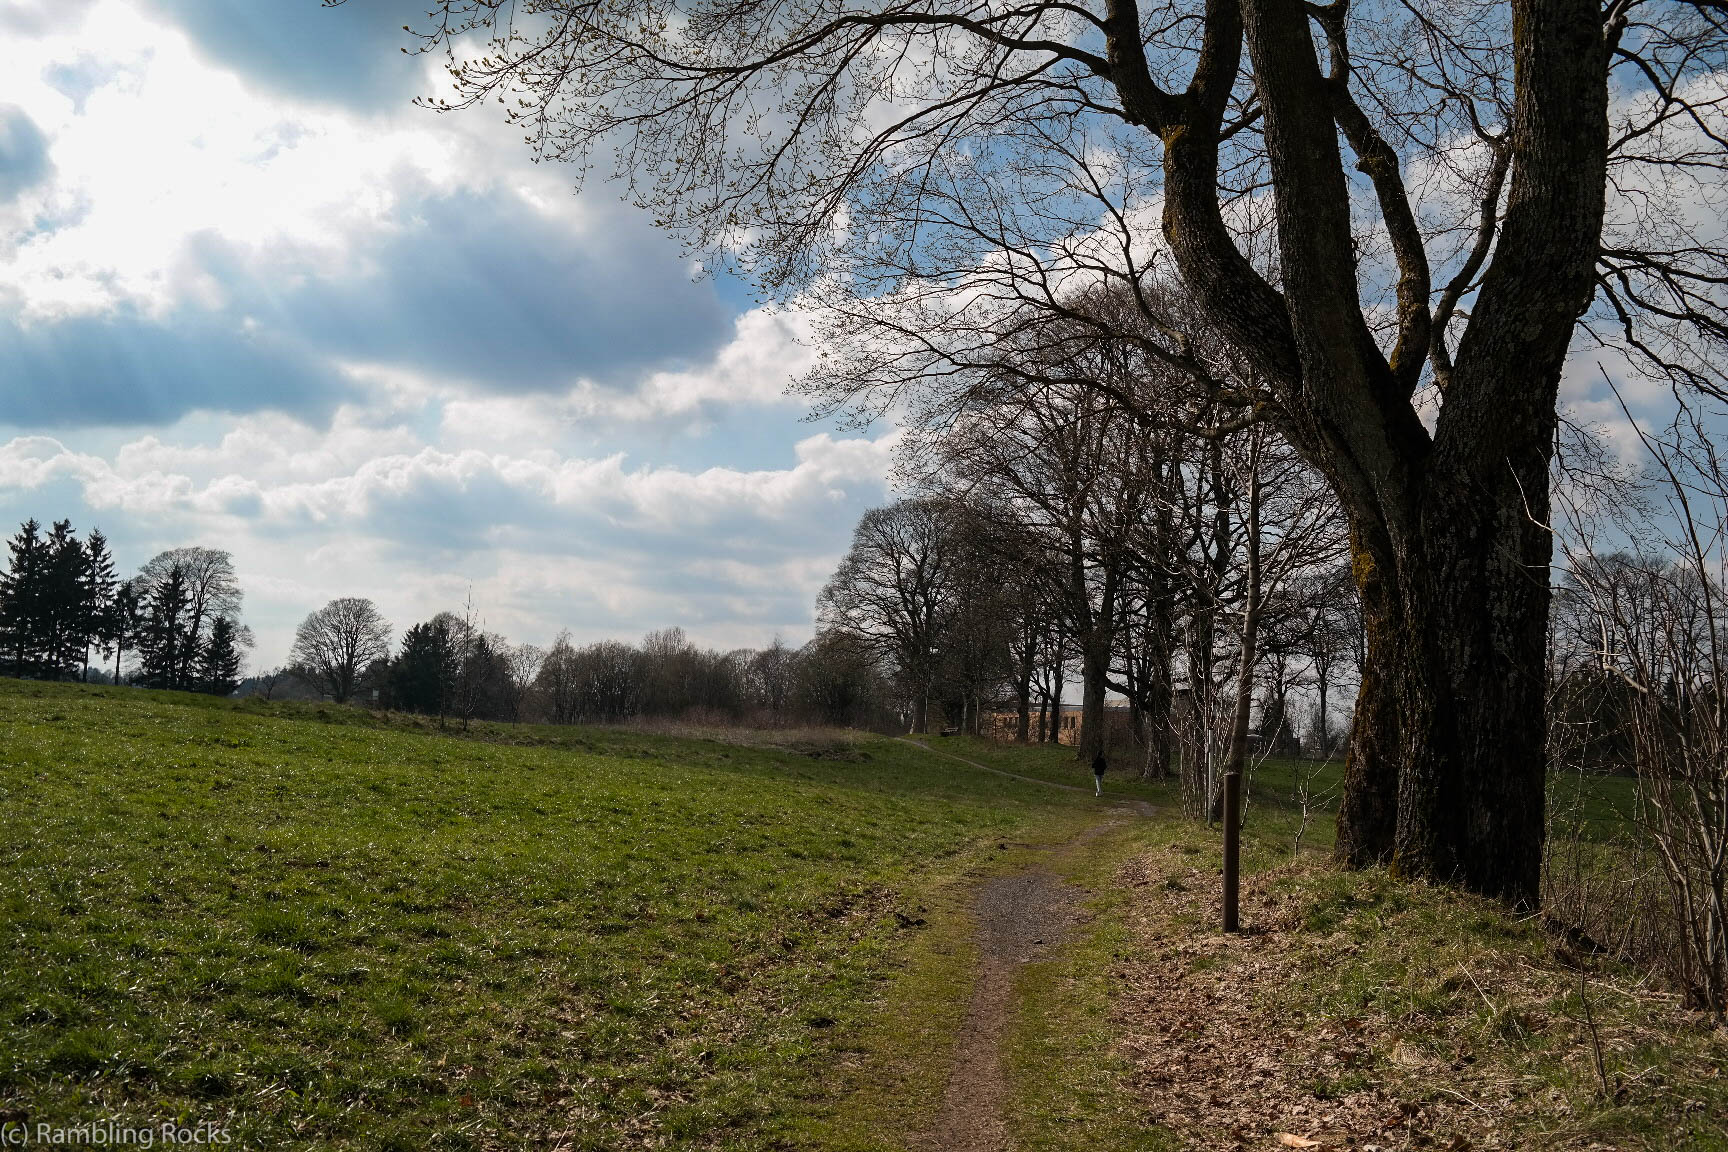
x=1145, y=808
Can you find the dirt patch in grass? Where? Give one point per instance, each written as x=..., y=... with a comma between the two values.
x=1361, y=1012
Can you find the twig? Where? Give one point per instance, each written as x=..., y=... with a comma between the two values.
x=1466, y=1099
x=1595, y=1036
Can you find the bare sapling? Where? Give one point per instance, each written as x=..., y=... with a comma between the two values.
x=1660, y=617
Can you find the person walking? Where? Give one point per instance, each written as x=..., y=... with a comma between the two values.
x=1098, y=773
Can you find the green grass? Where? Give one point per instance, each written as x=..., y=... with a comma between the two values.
x=328, y=929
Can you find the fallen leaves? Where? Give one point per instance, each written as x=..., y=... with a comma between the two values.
x=1228, y=1057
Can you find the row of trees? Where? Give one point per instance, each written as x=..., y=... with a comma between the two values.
x=1639, y=680
x=451, y=667
x=61, y=604
x=1378, y=228
x=1057, y=537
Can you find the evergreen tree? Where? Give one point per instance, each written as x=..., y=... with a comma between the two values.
x=219, y=662
x=22, y=592
x=162, y=635
x=63, y=609
x=421, y=676
x=59, y=598
x=98, y=597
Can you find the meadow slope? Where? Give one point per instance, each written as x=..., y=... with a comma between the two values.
x=320, y=929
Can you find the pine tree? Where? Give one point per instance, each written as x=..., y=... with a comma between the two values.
x=219, y=662
x=420, y=676
x=63, y=610
x=163, y=632
x=98, y=597
x=21, y=596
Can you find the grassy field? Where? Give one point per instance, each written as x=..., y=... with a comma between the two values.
x=317, y=927
x=321, y=928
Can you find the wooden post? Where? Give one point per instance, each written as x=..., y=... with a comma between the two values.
x=1232, y=846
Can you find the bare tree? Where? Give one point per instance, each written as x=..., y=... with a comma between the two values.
x=522, y=664
x=559, y=681
x=1658, y=622
x=211, y=590
x=338, y=642
x=1289, y=529
x=1077, y=484
x=897, y=591
x=265, y=683
x=773, y=674
x=841, y=681
x=469, y=658
x=1327, y=632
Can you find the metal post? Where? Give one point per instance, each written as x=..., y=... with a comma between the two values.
x=1232, y=846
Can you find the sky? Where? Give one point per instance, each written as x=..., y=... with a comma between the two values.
x=252, y=298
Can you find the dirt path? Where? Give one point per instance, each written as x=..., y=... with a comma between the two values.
x=1020, y=917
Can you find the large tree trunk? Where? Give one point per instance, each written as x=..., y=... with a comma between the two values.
x=1472, y=693
x=1159, y=736
x=1449, y=521
x=1447, y=763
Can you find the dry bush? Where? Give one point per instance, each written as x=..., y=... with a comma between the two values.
x=1651, y=620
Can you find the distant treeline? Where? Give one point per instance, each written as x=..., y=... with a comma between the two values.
x=450, y=667
x=65, y=614
x=62, y=607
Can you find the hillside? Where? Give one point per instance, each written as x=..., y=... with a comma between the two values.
x=321, y=928
x=330, y=931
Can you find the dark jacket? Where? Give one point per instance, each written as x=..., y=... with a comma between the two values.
x=1098, y=764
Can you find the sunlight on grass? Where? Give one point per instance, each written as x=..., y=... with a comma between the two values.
x=329, y=932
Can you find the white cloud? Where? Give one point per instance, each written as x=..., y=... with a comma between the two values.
x=176, y=186
x=166, y=148
x=623, y=548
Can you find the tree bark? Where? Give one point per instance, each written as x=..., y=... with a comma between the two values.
x=1472, y=693
x=1023, y=694
x=1060, y=673
x=1095, y=666
x=1368, y=809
